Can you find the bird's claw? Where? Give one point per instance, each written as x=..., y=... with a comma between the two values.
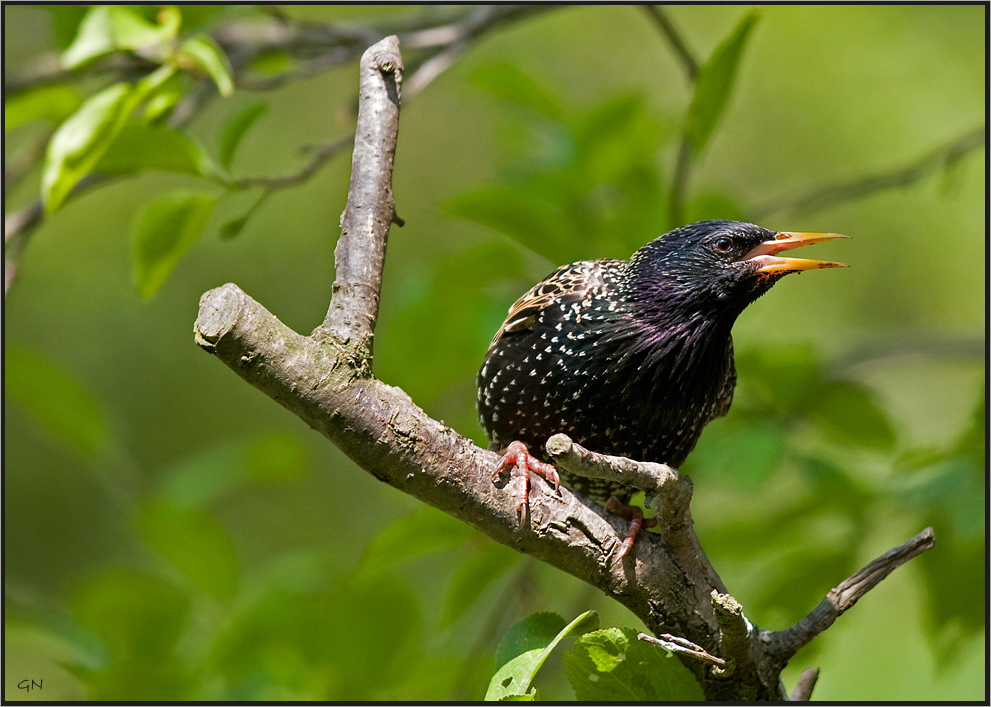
x=637, y=521
x=521, y=463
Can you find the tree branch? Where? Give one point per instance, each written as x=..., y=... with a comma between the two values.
x=326, y=380
x=782, y=645
x=370, y=210
x=681, y=50
x=442, y=37
x=824, y=197
x=805, y=685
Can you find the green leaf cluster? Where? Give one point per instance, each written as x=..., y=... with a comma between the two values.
x=121, y=129
x=608, y=665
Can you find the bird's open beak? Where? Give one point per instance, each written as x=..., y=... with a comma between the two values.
x=766, y=254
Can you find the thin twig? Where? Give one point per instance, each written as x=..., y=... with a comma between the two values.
x=321, y=154
x=681, y=50
x=784, y=644
x=434, y=67
x=682, y=646
x=841, y=192
x=679, y=183
x=21, y=162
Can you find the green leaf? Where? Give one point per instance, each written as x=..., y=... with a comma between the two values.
x=233, y=227
x=66, y=20
x=714, y=84
x=236, y=129
x=509, y=82
x=87, y=134
x=848, y=413
x=53, y=103
x=163, y=232
x=108, y=28
x=139, y=147
x=613, y=665
x=425, y=531
x=205, y=53
x=194, y=543
x=81, y=140
x=56, y=400
x=525, y=647
x=162, y=103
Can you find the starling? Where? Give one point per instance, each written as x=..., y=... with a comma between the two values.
x=629, y=357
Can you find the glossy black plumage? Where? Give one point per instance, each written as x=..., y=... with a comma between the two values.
x=631, y=357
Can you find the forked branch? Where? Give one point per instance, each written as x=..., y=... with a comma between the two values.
x=326, y=380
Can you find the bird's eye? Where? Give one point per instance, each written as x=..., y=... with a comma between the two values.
x=723, y=245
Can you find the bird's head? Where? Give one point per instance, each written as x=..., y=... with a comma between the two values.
x=717, y=268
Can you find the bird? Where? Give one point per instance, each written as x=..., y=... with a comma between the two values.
x=630, y=357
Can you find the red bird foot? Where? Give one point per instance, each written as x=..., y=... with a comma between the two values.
x=637, y=521
x=521, y=463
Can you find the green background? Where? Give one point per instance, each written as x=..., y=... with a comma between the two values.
x=170, y=533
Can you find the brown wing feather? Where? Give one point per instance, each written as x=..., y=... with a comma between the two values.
x=566, y=284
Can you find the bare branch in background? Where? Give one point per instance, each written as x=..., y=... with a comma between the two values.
x=660, y=17
x=831, y=195
x=441, y=35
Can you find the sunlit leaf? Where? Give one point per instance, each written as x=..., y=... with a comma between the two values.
x=714, y=85
x=271, y=62
x=53, y=103
x=107, y=28
x=56, y=400
x=161, y=104
x=81, y=140
x=613, y=665
x=194, y=543
x=87, y=134
x=163, y=232
x=525, y=647
x=210, y=58
x=236, y=129
x=139, y=147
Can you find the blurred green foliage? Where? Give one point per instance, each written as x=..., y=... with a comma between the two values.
x=171, y=534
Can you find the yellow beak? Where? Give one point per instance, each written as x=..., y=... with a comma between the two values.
x=766, y=253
